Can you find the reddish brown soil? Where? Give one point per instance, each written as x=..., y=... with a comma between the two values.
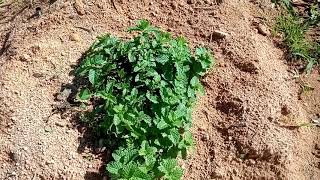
x=246, y=126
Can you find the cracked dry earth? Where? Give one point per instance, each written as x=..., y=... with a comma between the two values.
x=246, y=126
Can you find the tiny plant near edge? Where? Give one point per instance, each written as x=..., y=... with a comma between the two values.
x=143, y=91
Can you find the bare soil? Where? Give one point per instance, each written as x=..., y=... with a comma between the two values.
x=248, y=125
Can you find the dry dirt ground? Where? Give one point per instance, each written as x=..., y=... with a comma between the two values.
x=247, y=126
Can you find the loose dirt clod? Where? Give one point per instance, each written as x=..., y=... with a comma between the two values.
x=75, y=37
x=79, y=6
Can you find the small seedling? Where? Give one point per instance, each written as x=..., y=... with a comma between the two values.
x=306, y=88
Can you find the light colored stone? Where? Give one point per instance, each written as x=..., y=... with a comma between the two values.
x=262, y=29
x=50, y=161
x=75, y=37
x=64, y=95
x=219, y=34
x=60, y=124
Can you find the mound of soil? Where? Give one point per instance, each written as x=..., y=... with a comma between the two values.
x=246, y=126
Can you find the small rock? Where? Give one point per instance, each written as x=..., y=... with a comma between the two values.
x=75, y=37
x=219, y=34
x=262, y=29
x=90, y=166
x=61, y=124
x=37, y=75
x=14, y=119
x=230, y=138
x=208, y=160
x=251, y=162
x=64, y=95
x=13, y=173
x=79, y=6
x=238, y=160
x=100, y=150
x=50, y=162
x=47, y=129
x=25, y=148
x=25, y=58
x=16, y=156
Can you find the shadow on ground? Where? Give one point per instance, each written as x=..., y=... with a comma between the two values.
x=89, y=140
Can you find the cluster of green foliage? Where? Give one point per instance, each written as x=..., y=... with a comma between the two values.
x=294, y=28
x=143, y=91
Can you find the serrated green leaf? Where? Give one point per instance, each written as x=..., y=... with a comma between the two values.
x=116, y=120
x=151, y=97
x=114, y=167
x=92, y=76
x=174, y=136
x=194, y=81
x=146, y=149
x=170, y=169
x=106, y=96
x=162, y=125
x=84, y=95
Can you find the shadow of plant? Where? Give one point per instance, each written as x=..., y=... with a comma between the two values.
x=69, y=108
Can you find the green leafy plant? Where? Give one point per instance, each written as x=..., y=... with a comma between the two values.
x=285, y=3
x=143, y=91
x=294, y=29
